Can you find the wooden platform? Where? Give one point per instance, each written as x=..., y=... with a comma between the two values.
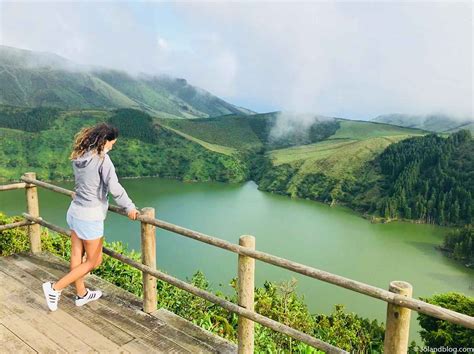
x=115, y=323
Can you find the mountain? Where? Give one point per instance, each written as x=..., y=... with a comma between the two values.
x=434, y=122
x=32, y=79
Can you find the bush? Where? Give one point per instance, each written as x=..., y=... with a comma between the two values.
x=437, y=333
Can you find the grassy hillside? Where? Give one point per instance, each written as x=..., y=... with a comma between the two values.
x=322, y=171
x=354, y=143
x=360, y=130
x=231, y=131
x=159, y=152
x=254, y=132
x=213, y=147
x=326, y=166
x=42, y=79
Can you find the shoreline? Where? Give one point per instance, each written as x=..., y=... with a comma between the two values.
x=374, y=219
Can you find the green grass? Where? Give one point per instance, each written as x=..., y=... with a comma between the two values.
x=360, y=130
x=228, y=131
x=213, y=147
x=334, y=158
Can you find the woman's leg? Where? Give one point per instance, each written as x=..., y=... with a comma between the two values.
x=94, y=259
x=77, y=252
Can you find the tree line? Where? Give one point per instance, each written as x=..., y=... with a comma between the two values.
x=430, y=179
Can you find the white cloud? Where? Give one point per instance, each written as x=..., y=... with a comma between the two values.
x=349, y=59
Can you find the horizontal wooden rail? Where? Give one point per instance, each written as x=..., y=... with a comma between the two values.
x=9, y=187
x=47, y=186
x=230, y=306
x=15, y=224
x=369, y=290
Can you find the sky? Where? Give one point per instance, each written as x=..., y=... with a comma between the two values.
x=345, y=59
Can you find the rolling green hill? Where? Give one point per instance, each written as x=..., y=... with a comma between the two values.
x=35, y=79
x=231, y=131
x=254, y=131
x=360, y=130
x=322, y=171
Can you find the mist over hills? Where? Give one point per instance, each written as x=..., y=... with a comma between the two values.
x=433, y=122
x=32, y=79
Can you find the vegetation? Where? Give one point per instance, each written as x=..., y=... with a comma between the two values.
x=460, y=244
x=361, y=130
x=321, y=171
x=378, y=169
x=429, y=178
x=277, y=301
x=230, y=131
x=146, y=149
x=27, y=119
x=253, y=131
x=438, y=333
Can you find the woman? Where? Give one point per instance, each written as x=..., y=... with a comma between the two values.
x=95, y=177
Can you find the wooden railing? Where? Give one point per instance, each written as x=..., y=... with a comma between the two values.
x=398, y=298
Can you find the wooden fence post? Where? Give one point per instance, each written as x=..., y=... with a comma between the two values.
x=398, y=321
x=32, y=207
x=148, y=236
x=246, y=288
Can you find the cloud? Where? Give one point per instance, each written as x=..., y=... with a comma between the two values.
x=289, y=124
x=346, y=59
x=351, y=59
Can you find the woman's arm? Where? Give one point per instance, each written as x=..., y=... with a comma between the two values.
x=115, y=188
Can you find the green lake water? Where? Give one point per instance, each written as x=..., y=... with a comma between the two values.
x=333, y=239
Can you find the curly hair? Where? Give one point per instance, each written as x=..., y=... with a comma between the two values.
x=93, y=138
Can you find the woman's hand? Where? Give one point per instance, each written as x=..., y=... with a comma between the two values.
x=73, y=196
x=133, y=214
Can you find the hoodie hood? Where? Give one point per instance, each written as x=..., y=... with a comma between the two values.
x=84, y=160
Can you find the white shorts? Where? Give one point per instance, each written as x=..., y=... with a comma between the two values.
x=86, y=229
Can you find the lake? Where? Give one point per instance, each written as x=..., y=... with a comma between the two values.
x=333, y=239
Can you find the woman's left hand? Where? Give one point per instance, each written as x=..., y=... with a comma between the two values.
x=133, y=214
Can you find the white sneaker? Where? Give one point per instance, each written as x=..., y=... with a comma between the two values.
x=91, y=295
x=52, y=296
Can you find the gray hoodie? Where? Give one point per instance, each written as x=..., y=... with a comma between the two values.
x=95, y=177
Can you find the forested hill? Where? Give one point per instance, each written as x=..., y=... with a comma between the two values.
x=32, y=79
x=40, y=140
x=430, y=179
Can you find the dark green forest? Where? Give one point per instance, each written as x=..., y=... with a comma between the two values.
x=28, y=119
x=429, y=179
x=459, y=244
